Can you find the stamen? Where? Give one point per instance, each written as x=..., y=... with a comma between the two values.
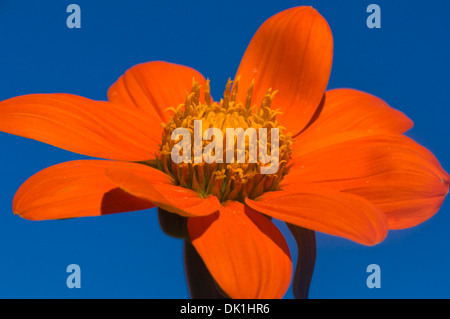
x=226, y=181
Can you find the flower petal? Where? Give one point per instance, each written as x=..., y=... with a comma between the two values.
x=331, y=212
x=346, y=110
x=154, y=87
x=77, y=124
x=174, y=199
x=291, y=52
x=78, y=189
x=244, y=252
x=400, y=177
x=347, y=114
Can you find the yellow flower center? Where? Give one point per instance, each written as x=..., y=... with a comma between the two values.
x=227, y=180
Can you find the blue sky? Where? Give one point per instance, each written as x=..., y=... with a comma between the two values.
x=127, y=255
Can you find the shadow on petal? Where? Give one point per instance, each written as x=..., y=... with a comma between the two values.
x=118, y=201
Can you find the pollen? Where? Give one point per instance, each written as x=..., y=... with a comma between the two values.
x=241, y=176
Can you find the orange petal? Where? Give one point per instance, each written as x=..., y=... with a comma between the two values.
x=331, y=212
x=400, y=177
x=77, y=124
x=291, y=52
x=174, y=199
x=78, y=189
x=244, y=252
x=346, y=110
x=154, y=87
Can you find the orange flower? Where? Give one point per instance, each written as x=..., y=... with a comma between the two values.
x=345, y=168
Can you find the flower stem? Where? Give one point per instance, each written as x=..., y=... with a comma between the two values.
x=306, y=258
x=200, y=282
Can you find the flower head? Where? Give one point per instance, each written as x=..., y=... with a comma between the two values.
x=227, y=172
x=344, y=166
